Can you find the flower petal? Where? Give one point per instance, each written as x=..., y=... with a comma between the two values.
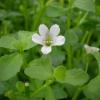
x=90, y=49
x=43, y=29
x=46, y=49
x=55, y=29
x=58, y=40
x=37, y=38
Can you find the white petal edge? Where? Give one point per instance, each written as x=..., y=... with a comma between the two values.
x=90, y=49
x=37, y=38
x=46, y=49
x=55, y=29
x=58, y=41
x=43, y=29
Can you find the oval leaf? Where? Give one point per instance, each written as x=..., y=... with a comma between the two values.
x=9, y=66
x=24, y=40
x=55, y=11
x=87, y=5
x=39, y=69
x=8, y=42
x=92, y=90
x=76, y=77
x=72, y=76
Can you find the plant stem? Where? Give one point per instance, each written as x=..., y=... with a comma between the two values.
x=85, y=36
x=49, y=2
x=42, y=87
x=37, y=18
x=62, y=3
x=97, y=57
x=89, y=37
x=26, y=22
x=70, y=54
x=77, y=93
x=81, y=20
x=69, y=48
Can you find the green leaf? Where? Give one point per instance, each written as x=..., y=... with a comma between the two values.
x=49, y=94
x=92, y=90
x=59, y=73
x=20, y=86
x=71, y=37
x=39, y=69
x=9, y=66
x=8, y=42
x=76, y=77
x=98, y=9
x=54, y=11
x=24, y=40
x=87, y=5
x=2, y=88
x=72, y=76
x=57, y=56
x=97, y=56
x=59, y=92
x=71, y=89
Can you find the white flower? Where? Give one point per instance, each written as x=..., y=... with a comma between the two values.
x=90, y=49
x=48, y=38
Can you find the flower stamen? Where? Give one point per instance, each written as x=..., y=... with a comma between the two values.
x=48, y=40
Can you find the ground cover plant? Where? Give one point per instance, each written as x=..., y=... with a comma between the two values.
x=49, y=50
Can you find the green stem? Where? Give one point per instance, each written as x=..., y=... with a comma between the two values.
x=81, y=20
x=77, y=93
x=89, y=37
x=70, y=54
x=49, y=2
x=39, y=14
x=42, y=87
x=86, y=68
x=68, y=22
x=26, y=21
x=69, y=14
x=69, y=48
x=84, y=40
x=62, y=3
x=85, y=37
x=5, y=27
x=86, y=59
x=37, y=18
x=97, y=57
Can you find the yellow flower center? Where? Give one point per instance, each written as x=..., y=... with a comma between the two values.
x=48, y=40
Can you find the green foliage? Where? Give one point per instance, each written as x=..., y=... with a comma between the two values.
x=71, y=37
x=55, y=11
x=76, y=77
x=49, y=94
x=7, y=42
x=87, y=5
x=23, y=41
x=68, y=72
x=59, y=73
x=57, y=56
x=97, y=57
x=92, y=89
x=59, y=92
x=73, y=76
x=41, y=67
x=20, y=86
x=9, y=66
